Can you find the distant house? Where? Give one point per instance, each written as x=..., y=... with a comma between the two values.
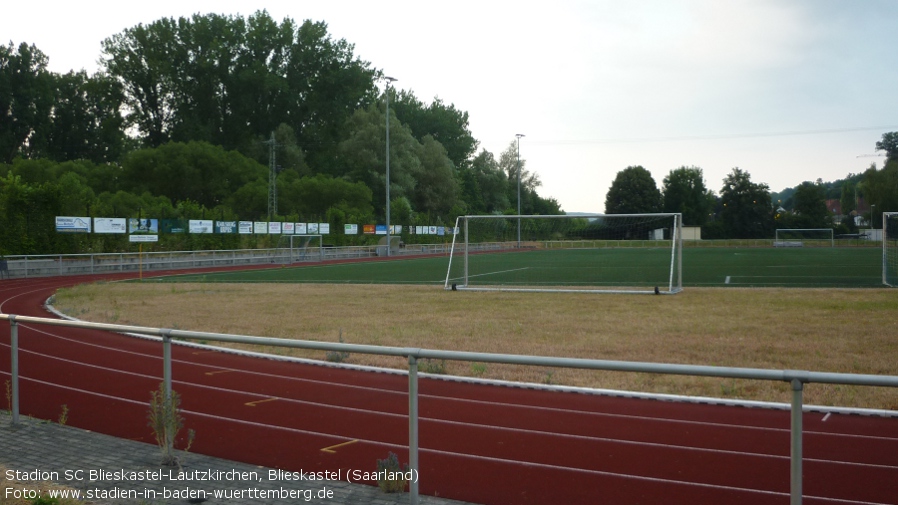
x=834, y=206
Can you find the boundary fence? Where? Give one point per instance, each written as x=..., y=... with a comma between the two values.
x=796, y=378
x=45, y=265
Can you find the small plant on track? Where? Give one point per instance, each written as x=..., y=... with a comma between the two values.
x=391, y=476
x=337, y=356
x=64, y=414
x=165, y=420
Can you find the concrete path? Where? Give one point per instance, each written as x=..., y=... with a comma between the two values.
x=63, y=451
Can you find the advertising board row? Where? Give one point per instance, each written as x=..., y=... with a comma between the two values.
x=146, y=226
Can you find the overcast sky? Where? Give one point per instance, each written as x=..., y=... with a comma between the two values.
x=788, y=91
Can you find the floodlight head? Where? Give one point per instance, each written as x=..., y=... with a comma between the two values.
x=389, y=79
x=519, y=135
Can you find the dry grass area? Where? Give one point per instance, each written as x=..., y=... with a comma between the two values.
x=831, y=330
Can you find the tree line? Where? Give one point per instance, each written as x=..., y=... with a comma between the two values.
x=177, y=124
x=746, y=209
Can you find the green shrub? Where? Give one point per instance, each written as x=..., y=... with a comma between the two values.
x=165, y=420
x=392, y=477
x=337, y=356
x=432, y=366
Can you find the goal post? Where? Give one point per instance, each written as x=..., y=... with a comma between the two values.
x=584, y=253
x=804, y=237
x=305, y=247
x=890, y=249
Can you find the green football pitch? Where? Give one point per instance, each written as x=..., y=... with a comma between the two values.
x=769, y=267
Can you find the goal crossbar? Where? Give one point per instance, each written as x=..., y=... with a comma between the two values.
x=583, y=253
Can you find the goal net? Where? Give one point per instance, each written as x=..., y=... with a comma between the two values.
x=303, y=247
x=597, y=253
x=804, y=237
x=890, y=248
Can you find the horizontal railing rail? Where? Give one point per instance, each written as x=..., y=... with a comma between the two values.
x=46, y=265
x=796, y=378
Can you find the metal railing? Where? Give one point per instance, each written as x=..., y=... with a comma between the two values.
x=45, y=265
x=796, y=378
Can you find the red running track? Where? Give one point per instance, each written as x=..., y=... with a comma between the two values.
x=481, y=443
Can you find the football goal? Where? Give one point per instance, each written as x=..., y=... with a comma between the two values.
x=302, y=247
x=804, y=237
x=592, y=253
x=890, y=249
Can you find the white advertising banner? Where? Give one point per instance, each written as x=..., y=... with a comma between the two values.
x=245, y=227
x=274, y=228
x=324, y=228
x=301, y=229
x=110, y=225
x=289, y=228
x=143, y=238
x=65, y=224
x=200, y=226
x=260, y=227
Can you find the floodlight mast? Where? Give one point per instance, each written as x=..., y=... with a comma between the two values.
x=519, y=135
x=387, y=98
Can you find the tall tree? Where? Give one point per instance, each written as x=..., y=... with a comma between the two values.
x=484, y=185
x=436, y=189
x=26, y=99
x=362, y=156
x=747, y=210
x=446, y=124
x=86, y=122
x=685, y=192
x=229, y=81
x=848, y=201
x=881, y=187
x=633, y=191
x=809, y=207
x=143, y=59
x=889, y=144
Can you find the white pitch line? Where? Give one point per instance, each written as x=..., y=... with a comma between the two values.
x=492, y=273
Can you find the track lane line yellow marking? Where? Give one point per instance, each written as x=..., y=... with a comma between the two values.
x=330, y=449
x=253, y=404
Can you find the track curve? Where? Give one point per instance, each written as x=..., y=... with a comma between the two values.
x=481, y=443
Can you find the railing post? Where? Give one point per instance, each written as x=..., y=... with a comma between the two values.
x=14, y=367
x=166, y=363
x=796, y=467
x=413, y=429
x=166, y=380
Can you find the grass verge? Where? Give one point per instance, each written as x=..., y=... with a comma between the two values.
x=832, y=330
